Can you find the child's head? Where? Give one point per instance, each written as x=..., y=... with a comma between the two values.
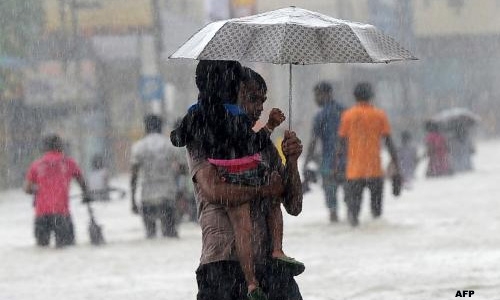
x=218, y=81
x=97, y=162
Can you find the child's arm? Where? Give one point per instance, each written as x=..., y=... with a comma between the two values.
x=276, y=117
x=180, y=136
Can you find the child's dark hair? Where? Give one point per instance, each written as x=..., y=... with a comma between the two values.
x=218, y=83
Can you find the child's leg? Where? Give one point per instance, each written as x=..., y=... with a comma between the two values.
x=275, y=224
x=242, y=227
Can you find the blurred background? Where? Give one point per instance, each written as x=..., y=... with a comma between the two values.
x=90, y=70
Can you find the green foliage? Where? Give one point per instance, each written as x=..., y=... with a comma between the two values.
x=20, y=26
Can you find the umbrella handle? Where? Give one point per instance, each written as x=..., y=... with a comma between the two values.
x=290, y=97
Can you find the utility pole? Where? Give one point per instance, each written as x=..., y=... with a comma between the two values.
x=75, y=55
x=151, y=86
x=158, y=43
x=63, y=38
x=75, y=60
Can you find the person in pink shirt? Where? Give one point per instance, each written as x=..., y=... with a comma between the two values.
x=437, y=151
x=48, y=179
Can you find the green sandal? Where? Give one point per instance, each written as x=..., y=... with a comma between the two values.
x=294, y=266
x=257, y=294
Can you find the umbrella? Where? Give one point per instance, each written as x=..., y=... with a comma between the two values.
x=292, y=36
x=456, y=117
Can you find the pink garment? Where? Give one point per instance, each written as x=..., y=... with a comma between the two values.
x=238, y=164
x=438, y=155
x=52, y=174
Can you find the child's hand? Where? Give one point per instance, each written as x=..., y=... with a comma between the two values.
x=276, y=117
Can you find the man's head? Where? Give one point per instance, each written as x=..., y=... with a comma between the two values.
x=252, y=94
x=220, y=78
x=152, y=124
x=431, y=126
x=52, y=142
x=363, y=92
x=405, y=137
x=97, y=162
x=323, y=93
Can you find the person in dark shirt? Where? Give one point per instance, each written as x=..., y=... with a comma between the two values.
x=325, y=127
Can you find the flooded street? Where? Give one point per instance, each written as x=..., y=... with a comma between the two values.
x=436, y=239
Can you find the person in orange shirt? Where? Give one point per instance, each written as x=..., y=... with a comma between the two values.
x=362, y=127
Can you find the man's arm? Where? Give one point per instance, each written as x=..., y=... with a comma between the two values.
x=133, y=187
x=311, y=148
x=29, y=187
x=216, y=191
x=292, y=149
x=340, y=148
x=393, y=153
x=83, y=185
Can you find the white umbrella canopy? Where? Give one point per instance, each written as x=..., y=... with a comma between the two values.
x=293, y=36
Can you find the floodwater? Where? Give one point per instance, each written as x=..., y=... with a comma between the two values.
x=440, y=237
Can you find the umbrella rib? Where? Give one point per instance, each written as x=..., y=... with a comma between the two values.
x=361, y=43
x=247, y=49
x=217, y=33
x=280, y=52
x=317, y=34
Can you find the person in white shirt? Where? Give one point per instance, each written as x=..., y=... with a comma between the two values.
x=98, y=179
x=156, y=161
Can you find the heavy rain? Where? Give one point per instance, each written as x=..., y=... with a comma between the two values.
x=249, y=149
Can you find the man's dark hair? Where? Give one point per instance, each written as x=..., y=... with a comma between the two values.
x=363, y=91
x=323, y=87
x=153, y=124
x=52, y=142
x=249, y=75
x=431, y=126
x=97, y=162
x=405, y=136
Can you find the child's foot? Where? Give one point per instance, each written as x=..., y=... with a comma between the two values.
x=256, y=294
x=294, y=266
